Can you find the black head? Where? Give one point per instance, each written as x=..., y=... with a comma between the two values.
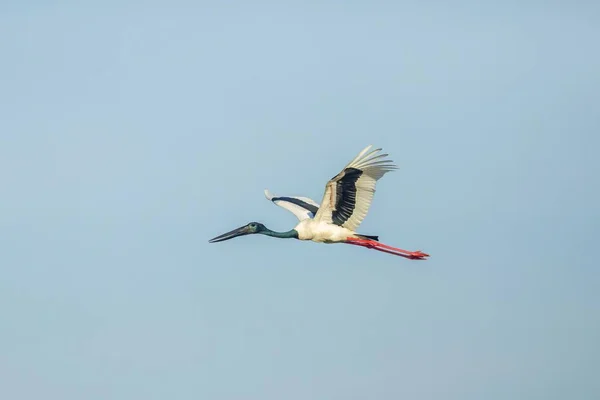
x=248, y=229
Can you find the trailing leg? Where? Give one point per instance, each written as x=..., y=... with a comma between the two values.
x=371, y=244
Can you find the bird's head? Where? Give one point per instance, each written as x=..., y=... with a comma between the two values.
x=248, y=229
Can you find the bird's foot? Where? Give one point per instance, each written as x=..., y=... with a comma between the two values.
x=417, y=255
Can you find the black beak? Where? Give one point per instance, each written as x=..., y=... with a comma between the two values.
x=230, y=235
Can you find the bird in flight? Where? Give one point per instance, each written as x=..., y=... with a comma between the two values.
x=345, y=204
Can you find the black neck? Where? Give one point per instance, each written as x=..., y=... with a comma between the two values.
x=292, y=234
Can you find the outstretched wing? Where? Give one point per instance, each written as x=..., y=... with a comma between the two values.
x=302, y=207
x=348, y=195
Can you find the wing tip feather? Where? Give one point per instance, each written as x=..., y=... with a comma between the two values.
x=268, y=194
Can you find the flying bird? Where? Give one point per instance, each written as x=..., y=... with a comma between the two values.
x=345, y=204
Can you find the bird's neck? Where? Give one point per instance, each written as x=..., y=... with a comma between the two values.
x=292, y=234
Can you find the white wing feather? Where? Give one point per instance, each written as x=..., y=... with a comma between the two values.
x=297, y=209
x=373, y=167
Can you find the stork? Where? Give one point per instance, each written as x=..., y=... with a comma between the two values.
x=345, y=204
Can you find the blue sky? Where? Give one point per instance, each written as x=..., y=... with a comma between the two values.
x=131, y=134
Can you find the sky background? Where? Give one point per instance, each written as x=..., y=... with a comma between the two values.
x=131, y=133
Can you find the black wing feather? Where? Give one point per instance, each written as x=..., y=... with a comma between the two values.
x=312, y=208
x=345, y=196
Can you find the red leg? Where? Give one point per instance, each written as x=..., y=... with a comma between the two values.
x=383, y=250
x=372, y=244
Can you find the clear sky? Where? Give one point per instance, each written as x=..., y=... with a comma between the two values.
x=131, y=133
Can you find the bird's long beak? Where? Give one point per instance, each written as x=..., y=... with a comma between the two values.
x=230, y=235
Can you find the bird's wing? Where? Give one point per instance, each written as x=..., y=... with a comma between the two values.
x=348, y=195
x=302, y=207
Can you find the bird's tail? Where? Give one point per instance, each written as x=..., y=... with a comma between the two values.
x=375, y=238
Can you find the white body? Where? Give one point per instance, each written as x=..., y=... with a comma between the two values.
x=322, y=232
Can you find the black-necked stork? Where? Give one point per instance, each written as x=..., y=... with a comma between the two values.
x=345, y=204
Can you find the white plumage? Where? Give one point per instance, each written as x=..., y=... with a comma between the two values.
x=373, y=168
x=295, y=208
x=345, y=203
